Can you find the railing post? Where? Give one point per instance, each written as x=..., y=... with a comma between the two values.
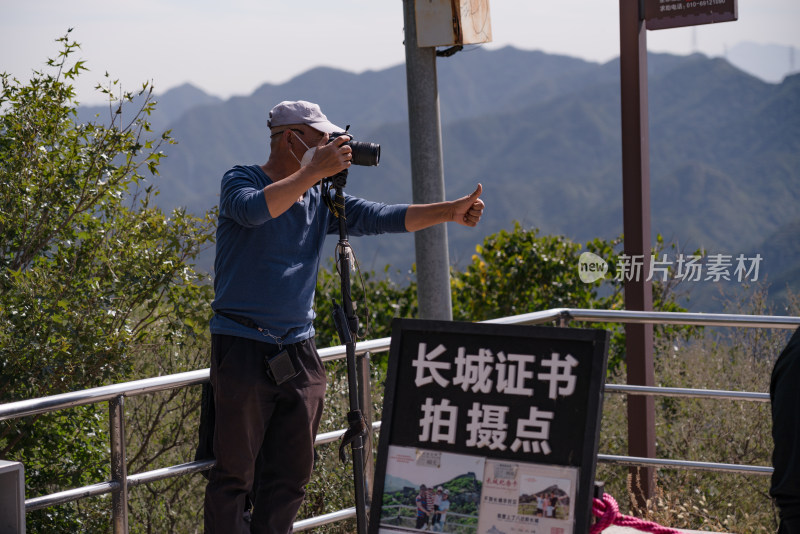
x=119, y=469
x=365, y=401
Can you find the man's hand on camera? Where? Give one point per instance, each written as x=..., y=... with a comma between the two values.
x=331, y=158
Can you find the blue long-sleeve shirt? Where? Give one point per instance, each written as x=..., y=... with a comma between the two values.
x=266, y=268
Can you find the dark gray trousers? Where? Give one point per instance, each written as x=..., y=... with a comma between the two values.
x=784, y=393
x=259, y=420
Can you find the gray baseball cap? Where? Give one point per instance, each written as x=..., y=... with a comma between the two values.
x=301, y=112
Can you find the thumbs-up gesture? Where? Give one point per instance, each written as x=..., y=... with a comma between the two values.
x=468, y=210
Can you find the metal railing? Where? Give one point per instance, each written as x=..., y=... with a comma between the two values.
x=456, y=523
x=115, y=394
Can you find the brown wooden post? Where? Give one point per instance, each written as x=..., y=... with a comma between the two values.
x=636, y=228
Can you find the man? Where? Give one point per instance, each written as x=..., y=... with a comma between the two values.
x=554, y=502
x=267, y=379
x=441, y=514
x=423, y=512
x=785, y=399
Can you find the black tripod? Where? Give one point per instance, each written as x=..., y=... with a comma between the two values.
x=346, y=323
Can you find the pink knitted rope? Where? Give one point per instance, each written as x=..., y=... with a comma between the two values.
x=607, y=512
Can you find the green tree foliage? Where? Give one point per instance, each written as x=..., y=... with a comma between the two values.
x=93, y=277
x=520, y=271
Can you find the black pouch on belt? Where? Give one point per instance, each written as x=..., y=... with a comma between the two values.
x=280, y=367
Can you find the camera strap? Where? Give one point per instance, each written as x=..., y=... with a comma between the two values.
x=249, y=323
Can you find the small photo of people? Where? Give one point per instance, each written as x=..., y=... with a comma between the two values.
x=540, y=500
x=431, y=508
x=430, y=491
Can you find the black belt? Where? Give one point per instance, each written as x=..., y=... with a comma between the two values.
x=244, y=321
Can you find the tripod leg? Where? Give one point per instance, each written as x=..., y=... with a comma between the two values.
x=347, y=326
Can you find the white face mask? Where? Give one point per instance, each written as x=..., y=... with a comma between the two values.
x=308, y=155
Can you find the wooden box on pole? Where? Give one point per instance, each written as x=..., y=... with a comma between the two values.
x=452, y=22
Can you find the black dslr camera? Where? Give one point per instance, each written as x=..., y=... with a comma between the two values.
x=366, y=154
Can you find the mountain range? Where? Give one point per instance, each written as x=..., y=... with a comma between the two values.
x=541, y=132
x=769, y=62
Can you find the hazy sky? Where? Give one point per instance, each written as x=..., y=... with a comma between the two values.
x=232, y=47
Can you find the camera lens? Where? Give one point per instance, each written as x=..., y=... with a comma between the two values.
x=366, y=154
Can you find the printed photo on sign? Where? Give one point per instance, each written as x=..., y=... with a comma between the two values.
x=520, y=498
x=431, y=491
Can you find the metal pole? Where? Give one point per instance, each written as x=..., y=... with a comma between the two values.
x=119, y=469
x=636, y=229
x=427, y=172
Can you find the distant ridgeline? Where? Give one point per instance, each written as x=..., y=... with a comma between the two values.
x=542, y=133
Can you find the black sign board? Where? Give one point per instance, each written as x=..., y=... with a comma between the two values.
x=661, y=14
x=504, y=419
